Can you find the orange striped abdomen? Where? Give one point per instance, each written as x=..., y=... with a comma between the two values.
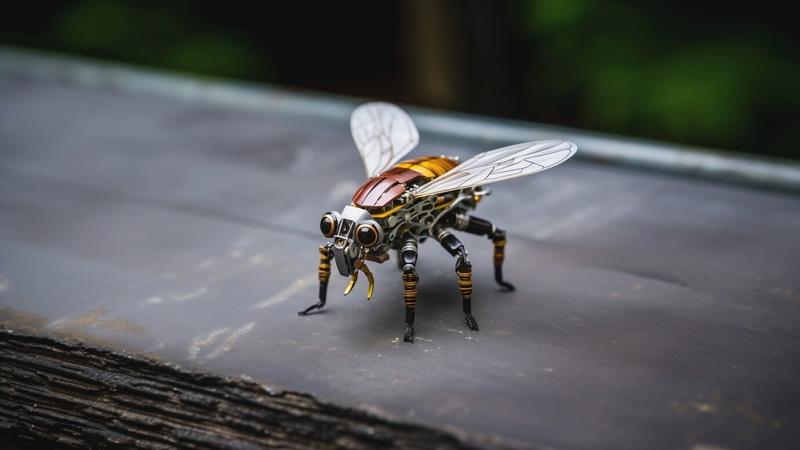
x=383, y=189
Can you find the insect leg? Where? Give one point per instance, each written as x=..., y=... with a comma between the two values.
x=324, y=273
x=499, y=239
x=463, y=270
x=409, y=258
x=482, y=227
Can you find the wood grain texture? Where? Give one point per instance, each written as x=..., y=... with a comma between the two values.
x=56, y=392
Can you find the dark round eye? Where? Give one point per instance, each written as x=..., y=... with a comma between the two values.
x=367, y=234
x=328, y=225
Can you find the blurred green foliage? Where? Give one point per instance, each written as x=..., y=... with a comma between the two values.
x=156, y=34
x=651, y=70
x=719, y=74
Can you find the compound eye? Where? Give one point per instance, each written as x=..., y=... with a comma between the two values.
x=368, y=234
x=328, y=224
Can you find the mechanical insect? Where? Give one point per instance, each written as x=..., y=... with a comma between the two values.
x=406, y=202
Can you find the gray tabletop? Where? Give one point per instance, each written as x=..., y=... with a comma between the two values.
x=652, y=310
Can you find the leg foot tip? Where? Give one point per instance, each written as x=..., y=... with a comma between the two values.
x=308, y=310
x=408, y=336
x=506, y=286
x=471, y=322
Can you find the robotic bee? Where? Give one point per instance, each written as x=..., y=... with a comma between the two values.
x=405, y=202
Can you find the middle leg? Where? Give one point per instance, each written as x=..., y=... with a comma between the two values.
x=464, y=272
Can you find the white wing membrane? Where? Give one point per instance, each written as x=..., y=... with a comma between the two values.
x=383, y=134
x=501, y=164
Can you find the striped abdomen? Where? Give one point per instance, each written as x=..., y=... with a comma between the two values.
x=383, y=189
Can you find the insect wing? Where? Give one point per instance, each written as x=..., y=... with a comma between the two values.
x=383, y=134
x=501, y=164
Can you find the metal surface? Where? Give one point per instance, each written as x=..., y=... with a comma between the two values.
x=651, y=311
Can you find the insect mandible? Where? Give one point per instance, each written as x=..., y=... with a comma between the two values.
x=404, y=202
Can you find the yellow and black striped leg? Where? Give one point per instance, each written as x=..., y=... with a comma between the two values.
x=410, y=280
x=464, y=271
x=499, y=240
x=324, y=273
x=483, y=227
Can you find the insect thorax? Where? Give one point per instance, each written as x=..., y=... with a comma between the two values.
x=389, y=198
x=418, y=217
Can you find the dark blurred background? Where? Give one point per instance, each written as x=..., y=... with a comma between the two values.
x=722, y=74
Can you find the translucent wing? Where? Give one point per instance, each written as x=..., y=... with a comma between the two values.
x=383, y=133
x=501, y=164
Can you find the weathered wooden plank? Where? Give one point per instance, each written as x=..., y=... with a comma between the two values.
x=652, y=311
x=54, y=391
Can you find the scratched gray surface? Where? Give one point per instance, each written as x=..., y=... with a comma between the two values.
x=652, y=311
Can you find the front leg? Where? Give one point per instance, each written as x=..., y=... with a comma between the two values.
x=324, y=273
x=410, y=280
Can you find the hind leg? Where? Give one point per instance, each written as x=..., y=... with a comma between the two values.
x=499, y=239
x=482, y=227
